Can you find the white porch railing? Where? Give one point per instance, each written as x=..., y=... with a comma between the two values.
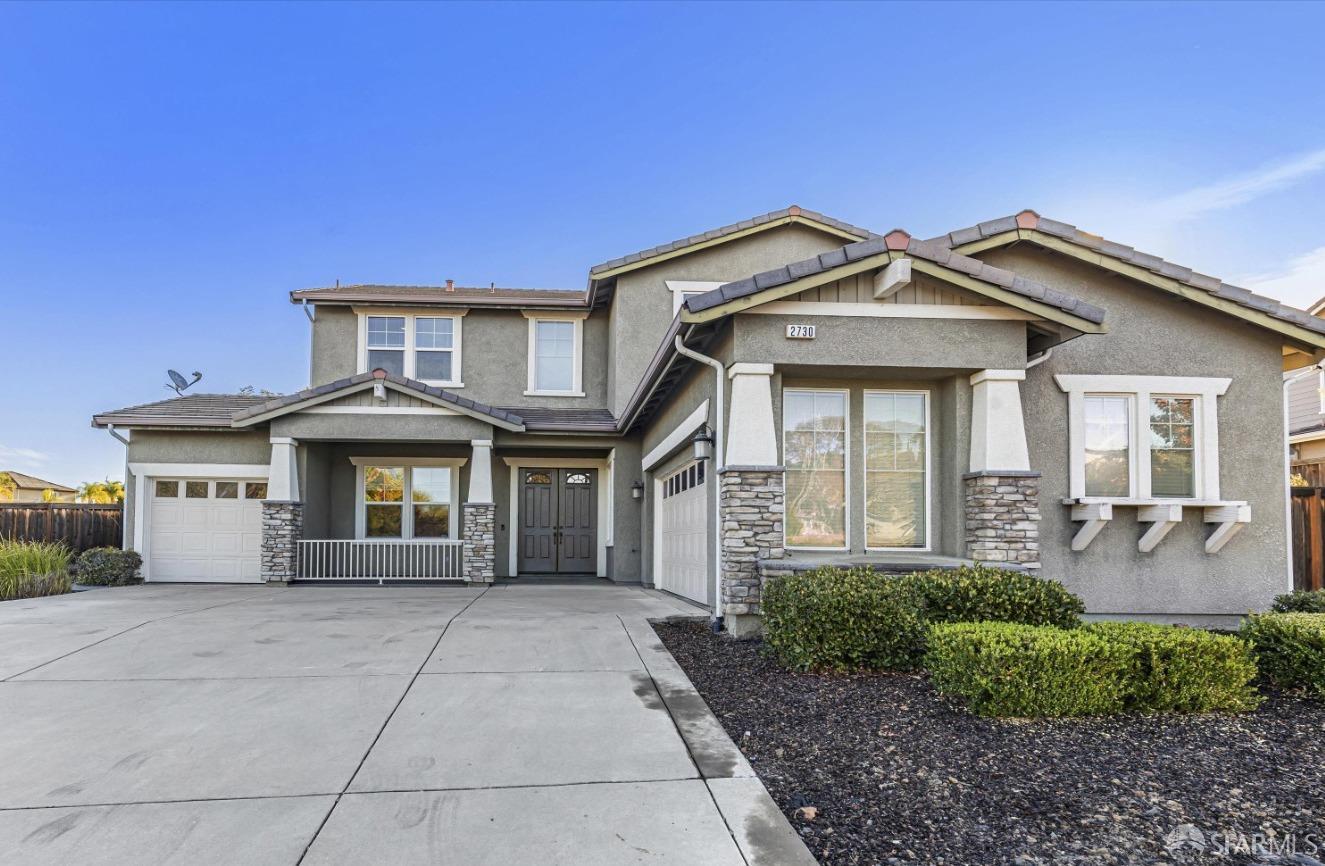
x=381, y=560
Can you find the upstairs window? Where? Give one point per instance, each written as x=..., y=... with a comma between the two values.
x=555, y=354
x=426, y=348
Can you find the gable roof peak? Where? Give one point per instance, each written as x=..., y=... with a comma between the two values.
x=1027, y=219
x=897, y=239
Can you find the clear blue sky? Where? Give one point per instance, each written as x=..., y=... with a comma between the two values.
x=169, y=172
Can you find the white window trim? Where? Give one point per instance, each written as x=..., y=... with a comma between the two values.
x=1203, y=391
x=929, y=475
x=577, y=360
x=407, y=517
x=846, y=466
x=457, y=322
x=682, y=289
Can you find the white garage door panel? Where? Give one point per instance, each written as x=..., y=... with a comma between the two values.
x=683, y=518
x=203, y=539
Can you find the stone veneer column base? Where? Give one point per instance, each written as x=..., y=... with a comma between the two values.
x=282, y=528
x=480, y=542
x=751, y=508
x=1003, y=518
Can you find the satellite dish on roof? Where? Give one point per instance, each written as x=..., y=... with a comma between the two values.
x=180, y=384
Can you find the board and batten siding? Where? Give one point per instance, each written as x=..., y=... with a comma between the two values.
x=859, y=289
x=1304, y=403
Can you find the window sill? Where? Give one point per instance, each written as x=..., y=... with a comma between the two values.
x=554, y=393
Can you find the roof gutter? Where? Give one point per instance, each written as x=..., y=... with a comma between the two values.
x=720, y=376
x=110, y=428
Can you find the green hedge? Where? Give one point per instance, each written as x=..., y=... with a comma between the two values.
x=1006, y=669
x=1009, y=669
x=980, y=593
x=1290, y=648
x=106, y=566
x=1184, y=670
x=835, y=619
x=1302, y=601
x=859, y=619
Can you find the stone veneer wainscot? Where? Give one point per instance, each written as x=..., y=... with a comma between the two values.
x=480, y=547
x=282, y=528
x=1003, y=518
x=752, y=508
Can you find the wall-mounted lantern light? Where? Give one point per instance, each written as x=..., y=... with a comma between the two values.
x=703, y=443
x=637, y=490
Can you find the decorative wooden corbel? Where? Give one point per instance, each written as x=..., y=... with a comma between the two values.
x=1094, y=516
x=1230, y=518
x=1162, y=518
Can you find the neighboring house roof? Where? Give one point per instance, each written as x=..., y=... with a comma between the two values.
x=29, y=482
x=459, y=296
x=350, y=384
x=876, y=252
x=566, y=420
x=191, y=410
x=793, y=215
x=1063, y=237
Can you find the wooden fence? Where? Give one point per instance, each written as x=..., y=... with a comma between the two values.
x=78, y=525
x=1308, y=508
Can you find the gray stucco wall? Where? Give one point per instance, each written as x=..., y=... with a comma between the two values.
x=201, y=446
x=372, y=428
x=956, y=344
x=494, y=356
x=642, y=306
x=1151, y=333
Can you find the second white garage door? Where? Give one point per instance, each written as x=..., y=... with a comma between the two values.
x=683, y=533
x=205, y=530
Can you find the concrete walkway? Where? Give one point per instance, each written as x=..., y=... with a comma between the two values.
x=352, y=725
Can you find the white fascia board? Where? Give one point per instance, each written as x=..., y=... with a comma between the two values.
x=680, y=433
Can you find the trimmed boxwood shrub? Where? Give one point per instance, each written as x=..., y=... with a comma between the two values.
x=106, y=566
x=1184, y=670
x=1290, y=648
x=980, y=593
x=1010, y=669
x=844, y=620
x=1302, y=601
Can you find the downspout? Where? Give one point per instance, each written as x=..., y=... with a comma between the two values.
x=1040, y=358
x=1288, y=470
x=720, y=375
x=126, y=542
x=110, y=428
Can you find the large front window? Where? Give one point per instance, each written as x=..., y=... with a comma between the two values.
x=426, y=348
x=814, y=425
x=896, y=469
x=407, y=501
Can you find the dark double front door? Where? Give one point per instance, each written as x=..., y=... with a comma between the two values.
x=558, y=521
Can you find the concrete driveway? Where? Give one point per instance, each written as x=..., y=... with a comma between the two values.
x=321, y=725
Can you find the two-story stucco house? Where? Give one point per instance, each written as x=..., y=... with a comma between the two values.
x=787, y=391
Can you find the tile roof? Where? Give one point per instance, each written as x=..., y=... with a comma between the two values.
x=29, y=482
x=567, y=420
x=714, y=234
x=466, y=296
x=438, y=394
x=896, y=240
x=190, y=410
x=1032, y=221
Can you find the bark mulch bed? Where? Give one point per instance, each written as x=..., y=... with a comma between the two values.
x=898, y=774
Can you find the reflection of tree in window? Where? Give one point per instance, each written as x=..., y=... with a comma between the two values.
x=538, y=478
x=384, y=496
x=895, y=467
x=814, y=452
x=430, y=488
x=1172, y=447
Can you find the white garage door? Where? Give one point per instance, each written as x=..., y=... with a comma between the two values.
x=683, y=533
x=205, y=530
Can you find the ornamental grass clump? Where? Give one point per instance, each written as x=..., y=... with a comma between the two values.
x=1290, y=648
x=843, y=620
x=1184, y=670
x=1014, y=670
x=30, y=569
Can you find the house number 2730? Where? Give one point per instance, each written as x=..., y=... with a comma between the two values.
x=800, y=332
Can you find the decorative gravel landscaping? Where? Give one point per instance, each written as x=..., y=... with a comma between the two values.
x=881, y=769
